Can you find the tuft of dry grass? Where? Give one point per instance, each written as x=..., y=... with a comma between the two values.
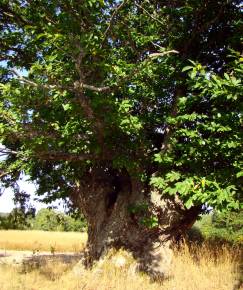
x=42, y=241
x=194, y=268
x=205, y=267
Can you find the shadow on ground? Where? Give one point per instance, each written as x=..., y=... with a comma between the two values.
x=3, y=255
x=51, y=266
x=42, y=260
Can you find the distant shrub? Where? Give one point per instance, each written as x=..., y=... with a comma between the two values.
x=231, y=221
x=50, y=220
x=222, y=227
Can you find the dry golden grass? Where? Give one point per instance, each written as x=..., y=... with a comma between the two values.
x=42, y=241
x=198, y=269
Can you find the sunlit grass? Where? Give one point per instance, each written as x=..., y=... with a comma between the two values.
x=42, y=241
x=198, y=268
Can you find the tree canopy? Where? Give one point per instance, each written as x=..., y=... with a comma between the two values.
x=151, y=86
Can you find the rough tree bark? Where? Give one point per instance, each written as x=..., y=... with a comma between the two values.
x=116, y=206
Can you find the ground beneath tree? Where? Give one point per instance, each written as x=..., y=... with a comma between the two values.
x=41, y=270
x=20, y=258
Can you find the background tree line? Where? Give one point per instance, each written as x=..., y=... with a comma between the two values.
x=45, y=219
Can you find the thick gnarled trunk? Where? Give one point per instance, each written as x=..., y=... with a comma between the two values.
x=121, y=213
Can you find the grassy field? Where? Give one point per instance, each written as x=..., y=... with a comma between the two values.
x=42, y=241
x=198, y=268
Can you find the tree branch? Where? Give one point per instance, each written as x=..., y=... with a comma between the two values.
x=53, y=155
x=6, y=151
x=116, y=10
x=159, y=54
x=149, y=14
x=7, y=11
x=80, y=86
x=62, y=156
x=2, y=174
x=77, y=85
x=34, y=84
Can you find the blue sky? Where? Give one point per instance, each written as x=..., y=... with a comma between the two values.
x=7, y=204
x=6, y=200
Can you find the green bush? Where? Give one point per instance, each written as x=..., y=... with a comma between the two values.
x=226, y=226
x=50, y=220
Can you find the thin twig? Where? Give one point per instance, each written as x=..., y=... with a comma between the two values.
x=112, y=19
x=149, y=14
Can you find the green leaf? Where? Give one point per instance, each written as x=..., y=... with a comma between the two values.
x=189, y=203
x=239, y=174
x=158, y=182
x=193, y=74
x=173, y=176
x=186, y=68
x=66, y=107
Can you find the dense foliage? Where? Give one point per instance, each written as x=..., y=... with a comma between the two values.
x=150, y=86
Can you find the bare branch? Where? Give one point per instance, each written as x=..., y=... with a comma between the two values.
x=32, y=83
x=53, y=155
x=6, y=151
x=7, y=11
x=79, y=85
x=149, y=14
x=62, y=156
x=112, y=19
x=159, y=54
x=2, y=174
